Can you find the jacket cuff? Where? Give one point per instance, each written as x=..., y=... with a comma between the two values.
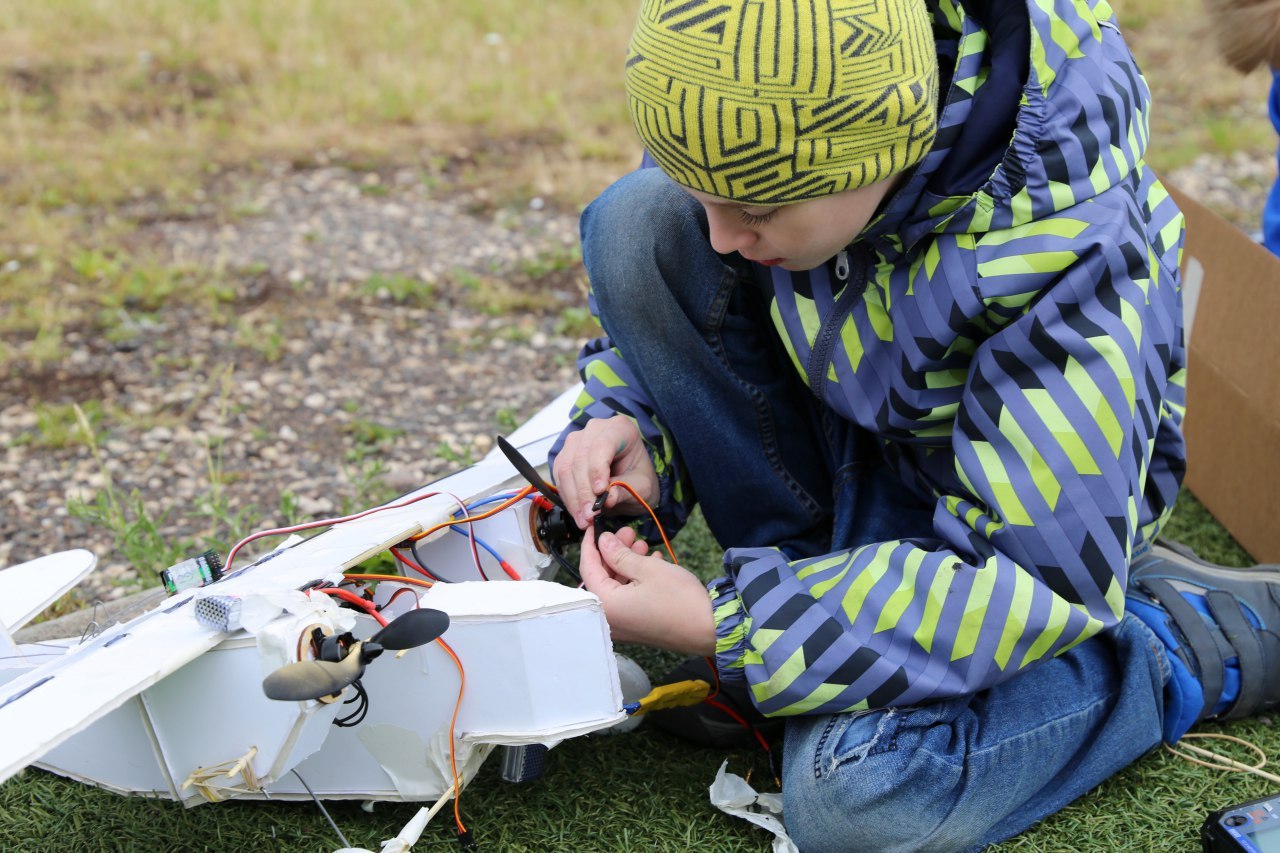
x=732, y=625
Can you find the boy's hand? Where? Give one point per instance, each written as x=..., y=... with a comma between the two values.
x=605, y=449
x=646, y=599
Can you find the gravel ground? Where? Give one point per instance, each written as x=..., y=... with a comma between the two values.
x=307, y=375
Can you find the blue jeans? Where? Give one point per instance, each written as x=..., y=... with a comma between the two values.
x=771, y=466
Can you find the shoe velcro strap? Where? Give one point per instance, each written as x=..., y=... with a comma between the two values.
x=1230, y=616
x=1271, y=654
x=1199, y=640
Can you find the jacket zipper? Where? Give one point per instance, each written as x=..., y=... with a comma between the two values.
x=829, y=331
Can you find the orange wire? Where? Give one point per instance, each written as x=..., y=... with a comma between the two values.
x=509, y=502
x=653, y=515
x=400, y=592
x=462, y=683
x=395, y=578
x=453, y=722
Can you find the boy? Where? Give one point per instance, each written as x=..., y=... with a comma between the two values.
x=900, y=309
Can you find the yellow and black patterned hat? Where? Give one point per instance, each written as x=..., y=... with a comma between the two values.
x=779, y=101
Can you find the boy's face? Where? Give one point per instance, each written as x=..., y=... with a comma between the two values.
x=797, y=236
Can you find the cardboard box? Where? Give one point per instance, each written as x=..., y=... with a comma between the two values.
x=1232, y=297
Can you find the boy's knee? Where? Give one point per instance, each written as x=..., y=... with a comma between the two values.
x=861, y=787
x=640, y=224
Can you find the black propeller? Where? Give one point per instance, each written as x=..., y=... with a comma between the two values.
x=530, y=473
x=557, y=529
x=314, y=679
x=412, y=629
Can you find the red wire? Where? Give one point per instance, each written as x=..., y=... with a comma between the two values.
x=411, y=564
x=363, y=603
x=471, y=537
x=311, y=525
x=740, y=720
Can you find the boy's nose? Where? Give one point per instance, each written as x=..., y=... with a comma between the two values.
x=728, y=233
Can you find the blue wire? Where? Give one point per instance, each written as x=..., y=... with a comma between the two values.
x=473, y=506
x=479, y=542
x=489, y=500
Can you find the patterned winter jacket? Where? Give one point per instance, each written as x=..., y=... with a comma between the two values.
x=1011, y=331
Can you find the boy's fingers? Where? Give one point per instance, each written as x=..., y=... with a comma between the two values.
x=621, y=559
x=595, y=576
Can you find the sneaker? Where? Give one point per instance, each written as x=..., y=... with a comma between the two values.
x=707, y=725
x=1224, y=622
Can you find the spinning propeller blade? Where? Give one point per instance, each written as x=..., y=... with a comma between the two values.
x=313, y=679
x=529, y=473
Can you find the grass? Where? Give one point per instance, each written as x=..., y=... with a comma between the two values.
x=114, y=114
x=637, y=791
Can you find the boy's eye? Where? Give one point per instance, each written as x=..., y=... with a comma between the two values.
x=754, y=219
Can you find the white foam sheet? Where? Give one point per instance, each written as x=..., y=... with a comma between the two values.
x=28, y=588
x=118, y=752
x=539, y=668
x=51, y=703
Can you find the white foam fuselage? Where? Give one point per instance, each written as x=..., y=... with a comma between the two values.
x=162, y=705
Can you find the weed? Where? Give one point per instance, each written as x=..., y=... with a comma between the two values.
x=246, y=210
x=368, y=438
x=264, y=337
x=135, y=531
x=577, y=323
x=60, y=425
x=290, y=510
x=462, y=460
x=94, y=266
x=47, y=347
x=550, y=262
x=226, y=525
x=149, y=287
x=506, y=418
x=495, y=297
x=366, y=478
x=401, y=289
x=122, y=327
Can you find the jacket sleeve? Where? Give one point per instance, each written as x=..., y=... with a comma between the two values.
x=610, y=388
x=1052, y=446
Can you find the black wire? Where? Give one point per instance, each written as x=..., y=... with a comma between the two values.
x=565, y=564
x=413, y=549
x=323, y=810
x=357, y=716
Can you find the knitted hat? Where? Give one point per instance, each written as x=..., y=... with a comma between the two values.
x=779, y=101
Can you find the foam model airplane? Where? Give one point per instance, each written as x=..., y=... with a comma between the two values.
x=386, y=687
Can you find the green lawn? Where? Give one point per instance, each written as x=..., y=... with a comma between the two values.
x=638, y=791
